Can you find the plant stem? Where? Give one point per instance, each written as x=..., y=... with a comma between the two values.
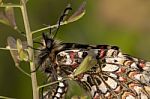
x=30, y=50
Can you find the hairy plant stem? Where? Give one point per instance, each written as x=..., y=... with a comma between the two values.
x=4, y=97
x=10, y=5
x=30, y=50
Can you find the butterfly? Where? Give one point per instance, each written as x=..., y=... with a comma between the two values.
x=114, y=76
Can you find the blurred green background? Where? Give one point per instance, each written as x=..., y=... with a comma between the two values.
x=125, y=23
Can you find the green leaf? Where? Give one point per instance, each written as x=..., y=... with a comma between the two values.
x=78, y=14
x=19, y=45
x=23, y=55
x=86, y=64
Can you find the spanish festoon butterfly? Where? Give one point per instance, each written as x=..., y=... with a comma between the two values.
x=115, y=76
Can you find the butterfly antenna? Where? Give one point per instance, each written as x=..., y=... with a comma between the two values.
x=62, y=18
x=50, y=30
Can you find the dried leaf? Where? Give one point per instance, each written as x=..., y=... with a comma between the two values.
x=9, y=13
x=78, y=14
x=86, y=64
x=3, y=18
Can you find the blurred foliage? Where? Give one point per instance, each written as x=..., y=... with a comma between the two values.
x=123, y=23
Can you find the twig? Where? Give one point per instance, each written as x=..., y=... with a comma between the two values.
x=48, y=27
x=8, y=49
x=3, y=97
x=49, y=84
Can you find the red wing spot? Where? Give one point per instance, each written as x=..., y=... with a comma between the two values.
x=75, y=65
x=121, y=70
x=96, y=97
x=141, y=65
x=118, y=89
x=72, y=54
x=102, y=52
x=122, y=79
x=80, y=76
